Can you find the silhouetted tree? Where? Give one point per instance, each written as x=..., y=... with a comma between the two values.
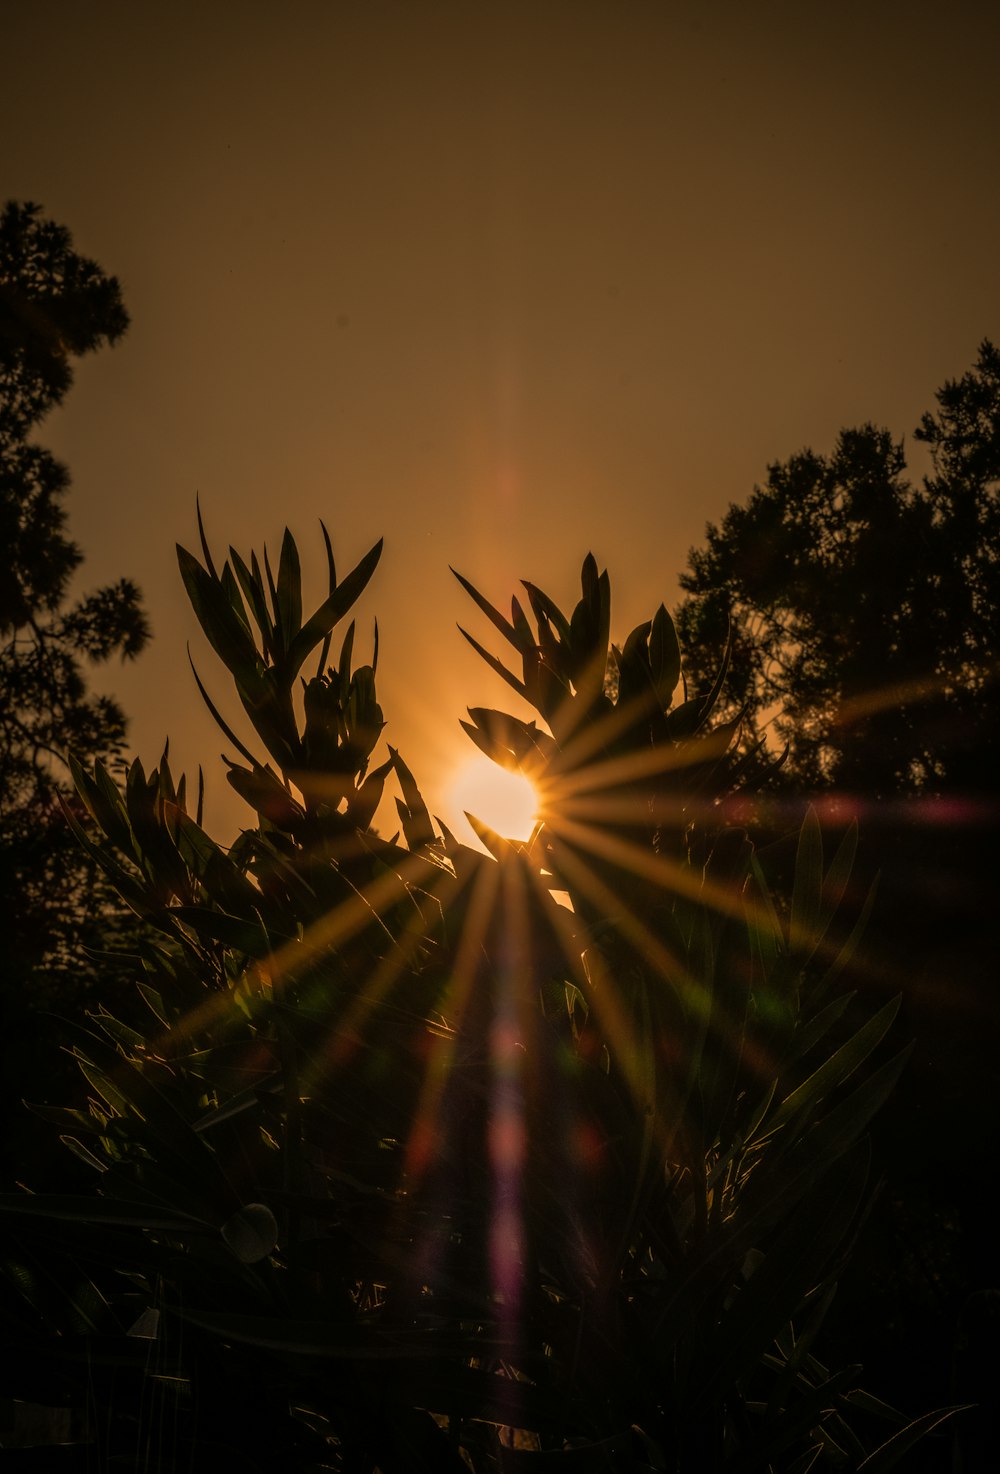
x=54, y=306
x=866, y=606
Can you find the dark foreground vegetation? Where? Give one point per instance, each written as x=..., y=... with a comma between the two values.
x=377, y=1154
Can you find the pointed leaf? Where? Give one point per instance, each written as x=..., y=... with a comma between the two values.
x=543, y=607
x=289, y=591
x=203, y=539
x=223, y=630
x=330, y=612
x=888, y=1455
x=807, y=886
x=664, y=657
x=839, y=1067
x=494, y=615
x=413, y=813
x=495, y=665
x=220, y=721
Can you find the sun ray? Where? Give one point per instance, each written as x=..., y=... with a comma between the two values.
x=507, y=801
x=465, y=966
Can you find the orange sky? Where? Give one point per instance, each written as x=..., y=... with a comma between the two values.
x=502, y=282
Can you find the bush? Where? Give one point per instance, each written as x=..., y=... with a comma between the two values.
x=429, y=1158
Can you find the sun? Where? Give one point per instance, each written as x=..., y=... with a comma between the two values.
x=506, y=801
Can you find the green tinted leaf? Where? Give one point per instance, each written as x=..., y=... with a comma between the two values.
x=794, y=1264
x=835, y=1070
x=839, y=873
x=807, y=887
x=88, y=1209
x=850, y=947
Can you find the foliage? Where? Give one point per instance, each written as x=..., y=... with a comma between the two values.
x=54, y=306
x=866, y=605
x=416, y=1166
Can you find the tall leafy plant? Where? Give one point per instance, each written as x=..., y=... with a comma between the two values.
x=439, y=1158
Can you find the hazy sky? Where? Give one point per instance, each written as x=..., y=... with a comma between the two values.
x=502, y=282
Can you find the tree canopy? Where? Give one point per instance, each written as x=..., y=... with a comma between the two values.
x=864, y=603
x=55, y=305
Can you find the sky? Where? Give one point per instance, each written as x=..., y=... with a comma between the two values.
x=502, y=283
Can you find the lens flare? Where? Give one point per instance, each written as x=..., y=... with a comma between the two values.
x=506, y=801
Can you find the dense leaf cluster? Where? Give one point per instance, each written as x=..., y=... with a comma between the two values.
x=546, y=1156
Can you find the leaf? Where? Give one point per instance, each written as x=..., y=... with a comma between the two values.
x=154, y=847
x=202, y=538
x=888, y=1455
x=835, y=1070
x=526, y=642
x=223, y=630
x=413, y=813
x=154, y=1003
x=807, y=887
x=180, y=1148
x=245, y=937
x=544, y=608
x=768, y=1197
x=495, y=665
x=847, y=951
x=836, y=878
x=92, y=1209
x=664, y=657
x=104, y=804
x=231, y=589
x=589, y=676
x=494, y=615
x=808, y=1035
x=498, y=847
x=85, y=1156
x=220, y=721
x=71, y=1120
x=329, y=613
x=509, y=741
x=720, y=677
x=253, y=589
x=366, y=799
x=795, y=1262
x=802, y=1417
x=685, y=719
x=265, y=793
x=289, y=592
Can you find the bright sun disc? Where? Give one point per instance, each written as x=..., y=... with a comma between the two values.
x=505, y=801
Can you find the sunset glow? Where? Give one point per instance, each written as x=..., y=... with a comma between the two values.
x=506, y=801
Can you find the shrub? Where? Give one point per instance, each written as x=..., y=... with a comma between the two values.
x=546, y=1156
